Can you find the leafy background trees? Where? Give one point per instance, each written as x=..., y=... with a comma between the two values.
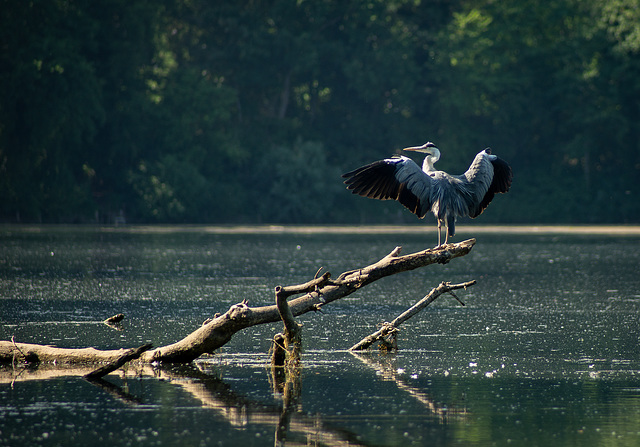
x=228, y=111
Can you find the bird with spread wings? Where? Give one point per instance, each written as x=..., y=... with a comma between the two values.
x=427, y=189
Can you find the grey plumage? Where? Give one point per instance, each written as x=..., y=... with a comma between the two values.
x=423, y=190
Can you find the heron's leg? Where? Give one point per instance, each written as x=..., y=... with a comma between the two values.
x=439, y=232
x=446, y=232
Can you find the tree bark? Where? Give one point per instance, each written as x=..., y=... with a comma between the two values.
x=218, y=331
x=33, y=353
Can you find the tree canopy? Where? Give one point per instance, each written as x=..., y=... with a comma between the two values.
x=248, y=111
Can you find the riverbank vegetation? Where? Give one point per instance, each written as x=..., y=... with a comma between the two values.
x=224, y=112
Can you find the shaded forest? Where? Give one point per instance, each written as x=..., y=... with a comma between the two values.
x=248, y=111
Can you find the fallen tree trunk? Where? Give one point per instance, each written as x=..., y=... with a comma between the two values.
x=218, y=331
x=13, y=352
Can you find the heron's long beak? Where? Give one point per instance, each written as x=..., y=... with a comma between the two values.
x=415, y=148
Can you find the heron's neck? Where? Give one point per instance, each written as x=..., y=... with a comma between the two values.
x=427, y=164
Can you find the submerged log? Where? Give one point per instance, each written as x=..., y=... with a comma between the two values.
x=218, y=331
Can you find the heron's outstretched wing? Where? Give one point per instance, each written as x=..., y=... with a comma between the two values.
x=486, y=176
x=397, y=178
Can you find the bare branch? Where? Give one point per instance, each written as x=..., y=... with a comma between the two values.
x=307, y=287
x=390, y=328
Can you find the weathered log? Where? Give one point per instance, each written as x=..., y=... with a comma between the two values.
x=218, y=331
x=33, y=353
x=391, y=328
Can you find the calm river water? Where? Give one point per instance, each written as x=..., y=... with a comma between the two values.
x=545, y=352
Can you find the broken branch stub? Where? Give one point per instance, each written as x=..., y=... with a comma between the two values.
x=292, y=333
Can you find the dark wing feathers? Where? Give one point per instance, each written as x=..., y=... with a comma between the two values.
x=501, y=182
x=374, y=181
x=401, y=179
x=410, y=200
x=502, y=176
x=391, y=179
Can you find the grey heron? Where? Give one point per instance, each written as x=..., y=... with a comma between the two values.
x=427, y=189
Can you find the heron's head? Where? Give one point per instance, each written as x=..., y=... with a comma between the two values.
x=427, y=148
x=489, y=154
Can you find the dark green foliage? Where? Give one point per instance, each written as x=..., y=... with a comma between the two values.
x=227, y=111
x=297, y=185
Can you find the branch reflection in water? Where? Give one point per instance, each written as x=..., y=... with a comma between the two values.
x=384, y=364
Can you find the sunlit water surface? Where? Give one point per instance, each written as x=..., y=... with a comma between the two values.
x=545, y=352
